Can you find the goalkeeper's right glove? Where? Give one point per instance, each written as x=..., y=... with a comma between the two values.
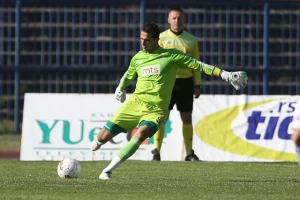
x=120, y=94
x=237, y=79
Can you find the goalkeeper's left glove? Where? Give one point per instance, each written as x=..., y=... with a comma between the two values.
x=120, y=94
x=237, y=79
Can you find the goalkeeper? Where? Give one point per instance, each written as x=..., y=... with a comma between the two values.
x=148, y=107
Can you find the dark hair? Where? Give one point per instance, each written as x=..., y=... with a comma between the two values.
x=151, y=28
x=178, y=9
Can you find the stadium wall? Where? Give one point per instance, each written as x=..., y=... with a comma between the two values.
x=85, y=46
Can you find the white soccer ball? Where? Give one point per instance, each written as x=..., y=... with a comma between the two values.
x=68, y=168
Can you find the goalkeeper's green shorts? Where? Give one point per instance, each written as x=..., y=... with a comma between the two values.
x=135, y=113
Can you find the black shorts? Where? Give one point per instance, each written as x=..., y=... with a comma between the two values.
x=183, y=95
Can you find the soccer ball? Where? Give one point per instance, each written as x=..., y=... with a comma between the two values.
x=68, y=168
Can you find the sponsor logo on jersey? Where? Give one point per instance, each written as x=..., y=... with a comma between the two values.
x=150, y=70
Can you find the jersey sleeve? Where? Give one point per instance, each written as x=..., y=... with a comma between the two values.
x=182, y=59
x=129, y=75
x=196, y=73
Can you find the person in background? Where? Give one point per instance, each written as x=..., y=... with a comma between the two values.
x=148, y=107
x=187, y=85
x=295, y=125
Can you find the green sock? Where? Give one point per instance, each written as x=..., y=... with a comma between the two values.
x=129, y=149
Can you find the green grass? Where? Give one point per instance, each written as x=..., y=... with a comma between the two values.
x=137, y=180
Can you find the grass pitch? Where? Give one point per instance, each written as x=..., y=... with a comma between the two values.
x=136, y=180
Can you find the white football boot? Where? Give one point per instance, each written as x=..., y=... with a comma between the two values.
x=105, y=176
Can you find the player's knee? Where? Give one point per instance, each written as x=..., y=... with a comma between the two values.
x=186, y=117
x=104, y=136
x=143, y=133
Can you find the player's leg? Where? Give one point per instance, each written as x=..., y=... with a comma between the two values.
x=296, y=140
x=159, y=135
x=147, y=127
x=148, y=123
x=187, y=131
x=126, y=118
x=109, y=131
x=128, y=150
x=114, y=126
x=185, y=107
x=120, y=120
x=145, y=130
x=104, y=136
x=158, y=139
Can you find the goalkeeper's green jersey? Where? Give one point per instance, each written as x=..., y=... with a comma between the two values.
x=156, y=74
